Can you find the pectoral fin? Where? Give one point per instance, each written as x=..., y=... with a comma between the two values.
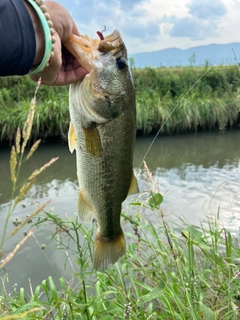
x=85, y=210
x=93, y=141
x=71, y=138
x=133, y=186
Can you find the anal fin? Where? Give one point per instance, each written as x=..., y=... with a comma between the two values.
x=85, y=210
x=133, y=186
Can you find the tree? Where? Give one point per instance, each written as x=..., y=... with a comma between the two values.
x=192, y=59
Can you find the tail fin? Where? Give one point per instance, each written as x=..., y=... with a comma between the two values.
x=108, y=251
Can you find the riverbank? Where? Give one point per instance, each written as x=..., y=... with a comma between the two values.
x=194, y=275
x=173, y=99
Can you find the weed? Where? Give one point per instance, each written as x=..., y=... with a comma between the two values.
x=213, y=103
x=17, y=159
x=165, y=274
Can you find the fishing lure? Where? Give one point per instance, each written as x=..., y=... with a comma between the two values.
x=99, y=33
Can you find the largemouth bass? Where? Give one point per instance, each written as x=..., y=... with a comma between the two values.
x=102, y=131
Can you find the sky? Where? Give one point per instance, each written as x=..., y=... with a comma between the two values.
x=151, y=25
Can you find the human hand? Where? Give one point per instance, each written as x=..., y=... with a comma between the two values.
x=63, y=68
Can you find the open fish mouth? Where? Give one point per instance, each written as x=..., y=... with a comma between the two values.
x=86, y=49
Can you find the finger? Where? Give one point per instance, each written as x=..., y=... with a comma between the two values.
x=75, y=30
x=71, y=76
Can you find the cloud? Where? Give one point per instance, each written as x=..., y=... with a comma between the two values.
x=124, y=15
x=194, y=28
x=157, y=9
x=128, y=4
x=148, y=25
x=196, y=20
x=140, y=31
x=205, y=9
x=201, y=22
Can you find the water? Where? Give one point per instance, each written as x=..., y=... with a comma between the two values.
x=197, y=173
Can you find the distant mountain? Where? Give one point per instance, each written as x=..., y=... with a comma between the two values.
x=213, y=54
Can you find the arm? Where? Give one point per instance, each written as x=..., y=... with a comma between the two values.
x=17, y=38
x=63, y=67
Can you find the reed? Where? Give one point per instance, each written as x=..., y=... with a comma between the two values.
x=191, y=114
x=51, y=118
x=18, y=157
x=212, y=103
x=182, y=272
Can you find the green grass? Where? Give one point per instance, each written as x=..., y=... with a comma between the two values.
x=191, y=273
x=178, y=272
x=175, y=100
x=190, y=113
x=51, y=117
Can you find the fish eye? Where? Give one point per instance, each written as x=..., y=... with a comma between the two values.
x=121, y=63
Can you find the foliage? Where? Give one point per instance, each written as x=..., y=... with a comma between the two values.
x=187, y=99
x=51, y=111
x=17, y=159
x=188, y=276
x=162, y=102
x=192, y=273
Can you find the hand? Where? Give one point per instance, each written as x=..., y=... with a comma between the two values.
x=63, y=68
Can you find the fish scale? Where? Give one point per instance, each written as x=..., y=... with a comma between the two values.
x=102, y=131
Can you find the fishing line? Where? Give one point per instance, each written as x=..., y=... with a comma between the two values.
x=93, y=13
x=104, y=26
x=171, y=114
x=238, y=65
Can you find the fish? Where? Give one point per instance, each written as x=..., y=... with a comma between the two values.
x=103, y=131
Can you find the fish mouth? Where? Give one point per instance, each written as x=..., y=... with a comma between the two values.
x=86, y=49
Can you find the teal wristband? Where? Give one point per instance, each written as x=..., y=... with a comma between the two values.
x=48, y=31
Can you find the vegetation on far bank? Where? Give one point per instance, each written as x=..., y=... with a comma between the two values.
x=212, y=101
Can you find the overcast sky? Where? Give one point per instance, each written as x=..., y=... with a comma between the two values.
x=150, y=25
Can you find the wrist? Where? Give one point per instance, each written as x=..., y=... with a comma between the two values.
x=39, y=34
x=47, y=28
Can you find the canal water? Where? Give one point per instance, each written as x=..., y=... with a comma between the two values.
x=198, y=174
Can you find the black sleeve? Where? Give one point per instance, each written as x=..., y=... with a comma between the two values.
x=17, y=38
